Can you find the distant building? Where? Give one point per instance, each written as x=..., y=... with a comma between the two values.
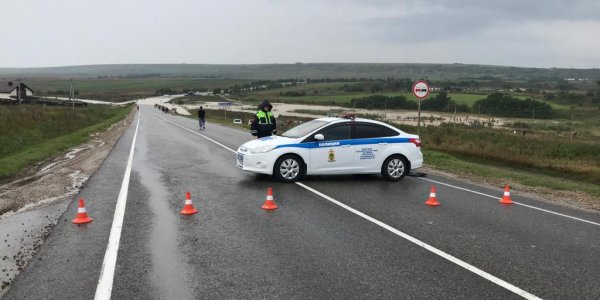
x=10, y=90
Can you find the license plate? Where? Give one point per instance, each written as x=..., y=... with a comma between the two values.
x=240, y=159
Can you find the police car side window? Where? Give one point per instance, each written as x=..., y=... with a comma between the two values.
x=385, y=131
x=336, y=133
x=367, y=131
x=364, y=131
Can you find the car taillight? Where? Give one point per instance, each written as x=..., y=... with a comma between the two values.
x=417, y=142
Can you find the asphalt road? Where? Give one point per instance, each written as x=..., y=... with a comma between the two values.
x=312, y=246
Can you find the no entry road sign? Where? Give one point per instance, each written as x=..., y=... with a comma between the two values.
x=420, y=89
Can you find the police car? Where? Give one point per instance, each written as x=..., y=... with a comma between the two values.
x=332, y=145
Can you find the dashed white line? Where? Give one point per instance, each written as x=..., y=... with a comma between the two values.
x=515, y=202
x=105, y=283
x=399, y=233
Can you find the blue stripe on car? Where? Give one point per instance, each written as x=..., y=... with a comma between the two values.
x=310, y=145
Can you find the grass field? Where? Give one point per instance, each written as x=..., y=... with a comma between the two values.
x=310, y=70
x=125, y=89
x=30, y=133
x=507, y=174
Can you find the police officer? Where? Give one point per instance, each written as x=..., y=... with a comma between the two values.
x=264, y=121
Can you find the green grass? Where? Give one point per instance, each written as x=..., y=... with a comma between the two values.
x=345, y=98
x=461, y=165
x=31, y=133
x=126, y=89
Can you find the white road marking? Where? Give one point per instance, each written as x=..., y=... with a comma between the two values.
x=192, y=131
x=514, y=202
x=426, y=246
x=407, y=237
x=105, y=283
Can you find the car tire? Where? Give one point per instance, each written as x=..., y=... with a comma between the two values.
x=394, y=168
x=289, y=168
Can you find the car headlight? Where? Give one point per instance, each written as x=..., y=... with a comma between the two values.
x=262, y=149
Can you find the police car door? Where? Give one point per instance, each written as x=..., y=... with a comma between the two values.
x=369, y=146
x=334, y=154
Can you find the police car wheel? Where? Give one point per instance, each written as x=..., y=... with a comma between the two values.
x=394, y=168
x=288, y=168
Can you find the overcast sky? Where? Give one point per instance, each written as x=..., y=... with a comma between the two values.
x=539, y=33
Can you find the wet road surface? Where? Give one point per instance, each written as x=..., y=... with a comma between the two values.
x=310, y=247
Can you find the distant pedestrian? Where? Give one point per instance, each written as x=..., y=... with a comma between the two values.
x=201, y=118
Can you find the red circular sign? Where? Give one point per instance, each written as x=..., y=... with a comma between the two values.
x=421, y=89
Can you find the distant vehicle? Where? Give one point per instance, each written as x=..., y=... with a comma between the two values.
x=328, y=146
x=237, y=121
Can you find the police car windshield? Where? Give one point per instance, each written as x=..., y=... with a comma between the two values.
x=304, y=129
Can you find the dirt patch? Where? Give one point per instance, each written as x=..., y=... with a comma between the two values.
x=572, y=199
x=63, y=175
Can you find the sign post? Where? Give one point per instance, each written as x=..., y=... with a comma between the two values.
x=421, y=90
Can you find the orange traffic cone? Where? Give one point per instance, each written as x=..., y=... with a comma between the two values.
x=432, y=201
x=269, y=203
x=506, y=198
x=188, y=208
x=82, y=216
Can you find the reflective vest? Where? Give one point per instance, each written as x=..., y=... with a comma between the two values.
x=264, y=117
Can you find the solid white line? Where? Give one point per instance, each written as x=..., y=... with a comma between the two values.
x=426, y=246
x=411, y=239
x=105, y=283
x=515, y=202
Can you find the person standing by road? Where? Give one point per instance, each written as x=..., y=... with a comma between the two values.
x=264, y=123
x=201, y=118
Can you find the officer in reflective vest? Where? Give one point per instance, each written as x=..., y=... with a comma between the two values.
x=264, y=122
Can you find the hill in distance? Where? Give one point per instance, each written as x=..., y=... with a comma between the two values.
x=306, y=70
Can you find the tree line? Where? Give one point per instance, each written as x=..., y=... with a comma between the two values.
x=496, y=104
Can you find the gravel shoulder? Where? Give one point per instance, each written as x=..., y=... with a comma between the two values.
x=32, y=204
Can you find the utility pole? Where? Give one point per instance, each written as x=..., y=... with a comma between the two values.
x=572, y=125
x=419, y=116
x=454, y=118
x=72, y=95
x=19, y=92
x=384, y=109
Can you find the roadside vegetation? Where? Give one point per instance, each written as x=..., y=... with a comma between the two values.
x=124, y=89
x=550, y=129
x=31, y=133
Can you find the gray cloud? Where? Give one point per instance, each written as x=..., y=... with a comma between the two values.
x=525, y=33
x=448, y=19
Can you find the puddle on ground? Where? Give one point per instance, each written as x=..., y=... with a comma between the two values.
x=168, y=269
x=21, y=235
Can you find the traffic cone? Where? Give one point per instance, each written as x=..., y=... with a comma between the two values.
x=506, y=198
x=269, y=203
x=82, y=216
x=432, y=201
x=188, y=208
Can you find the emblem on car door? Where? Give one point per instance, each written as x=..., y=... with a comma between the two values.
x=331, y=155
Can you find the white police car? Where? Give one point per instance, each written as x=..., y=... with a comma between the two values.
x=333, y=146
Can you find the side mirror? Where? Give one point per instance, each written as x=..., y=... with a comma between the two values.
x=319, y=137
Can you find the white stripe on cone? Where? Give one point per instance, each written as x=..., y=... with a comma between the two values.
x=188, y=201
x=269, y=197
x=432, y=195
x=506, y=193
x=81, y=210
